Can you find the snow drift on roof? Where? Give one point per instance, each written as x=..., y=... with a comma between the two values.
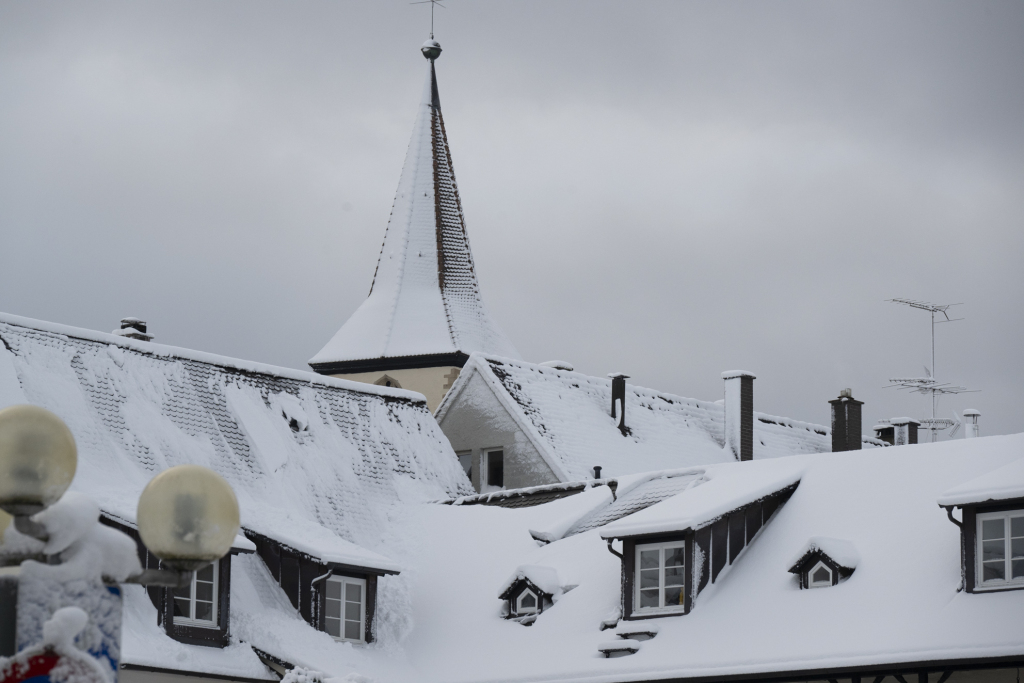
x=842, y=552
x=1000, y=484
x=425, y=298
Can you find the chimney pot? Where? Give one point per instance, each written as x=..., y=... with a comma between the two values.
x=739, y=413
x=597, y=471
x=133, y=328
x=971, y=429
x=846, y=411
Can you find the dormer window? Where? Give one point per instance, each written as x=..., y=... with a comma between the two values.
x=345, y=608
x=824, y=562
x=196, y=604
x=660, y=577
x=1000, y=549
x=529, y=591
x=820, y=576
x=527, y=602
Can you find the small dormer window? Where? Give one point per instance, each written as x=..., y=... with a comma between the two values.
x=345, y=608
x=527, y=602
x=196, y=604
x=820, y=576
x=660, y=577
x=824, y=562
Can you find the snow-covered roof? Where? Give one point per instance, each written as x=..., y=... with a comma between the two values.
x=544, y=578
x=869, y=500
x=318, y=464
x=566, y=415
x=425, y=299
x=1000, y=484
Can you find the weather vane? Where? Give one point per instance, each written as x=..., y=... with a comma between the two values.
x=432, y=3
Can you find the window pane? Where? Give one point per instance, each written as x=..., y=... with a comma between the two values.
x=352, y=630
x=673, y=596
x=822, y=575
x=333, y=627
x=204, y=591
x=353, y=592
x=1017, y=547
x=993, y=571
x=674, y=557
x=993, y=550
x=528, y=601
x=1017, y=527
x=353, y=610
x=992, y=528
x=648, y=559
x=182, y=607
x=1018, y=569
x=466, y=460
x=204, y=611
x=649, y=578
x=205, y=574
x=333, y=589
x=674, y=576
x=332, y=609
x=649, y=598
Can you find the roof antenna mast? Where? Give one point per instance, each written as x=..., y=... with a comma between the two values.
x=432, y=3
x=929, y=384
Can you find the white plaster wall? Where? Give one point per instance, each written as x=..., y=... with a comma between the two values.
x=477, y=421
x=433, y=383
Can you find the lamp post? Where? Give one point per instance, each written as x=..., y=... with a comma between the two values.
x=187, y=516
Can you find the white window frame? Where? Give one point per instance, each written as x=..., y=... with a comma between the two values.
x=343, y=580
x=520, y=611
x=661, y=609
x=979, y=583
x=191, y=620
x=811, y=583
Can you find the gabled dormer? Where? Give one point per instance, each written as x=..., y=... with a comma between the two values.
x=824, y=562
x=529, y=591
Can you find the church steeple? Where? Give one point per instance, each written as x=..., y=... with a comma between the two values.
x=424, y=309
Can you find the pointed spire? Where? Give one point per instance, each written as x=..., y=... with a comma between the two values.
x=424, y=301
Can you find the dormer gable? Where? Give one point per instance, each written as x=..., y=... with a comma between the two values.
x=824, y=562
x=529, y=591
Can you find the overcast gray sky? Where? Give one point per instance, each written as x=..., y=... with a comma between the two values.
x=667, y=189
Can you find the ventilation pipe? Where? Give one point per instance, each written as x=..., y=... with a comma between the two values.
x=133, y=328
x=619, y=394
x=846, y=422
x=597, y=471
x=971, y=423
x=739, y=413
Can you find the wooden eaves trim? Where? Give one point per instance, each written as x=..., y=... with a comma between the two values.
x=385, y=363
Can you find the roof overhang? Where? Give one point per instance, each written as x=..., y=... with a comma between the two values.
x=383, y=364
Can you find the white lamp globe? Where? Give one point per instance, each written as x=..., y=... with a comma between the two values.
x=38, y=459
x=188, y=517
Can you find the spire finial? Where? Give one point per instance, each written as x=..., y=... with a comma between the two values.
x=431, y=49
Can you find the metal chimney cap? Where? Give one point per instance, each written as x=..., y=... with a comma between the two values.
x=971, y=411
x=732, y=374
x=618, y=375
x=846, y=393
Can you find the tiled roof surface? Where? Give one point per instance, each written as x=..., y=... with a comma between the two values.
x=136, y=408
x=638, y=498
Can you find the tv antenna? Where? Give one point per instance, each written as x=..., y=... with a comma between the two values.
x=929, y=384
x=432, y=3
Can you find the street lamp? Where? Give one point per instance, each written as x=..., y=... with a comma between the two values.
x=37, y=460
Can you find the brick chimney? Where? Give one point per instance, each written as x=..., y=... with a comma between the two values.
x=846, y=434
x=739, y=413
x=619, y=394
x=971, y=429
x=134, y=329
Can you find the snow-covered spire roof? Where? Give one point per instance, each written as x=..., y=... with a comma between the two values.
x=425, y=299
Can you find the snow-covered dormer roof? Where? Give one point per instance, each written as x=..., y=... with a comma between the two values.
x=425, y=299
